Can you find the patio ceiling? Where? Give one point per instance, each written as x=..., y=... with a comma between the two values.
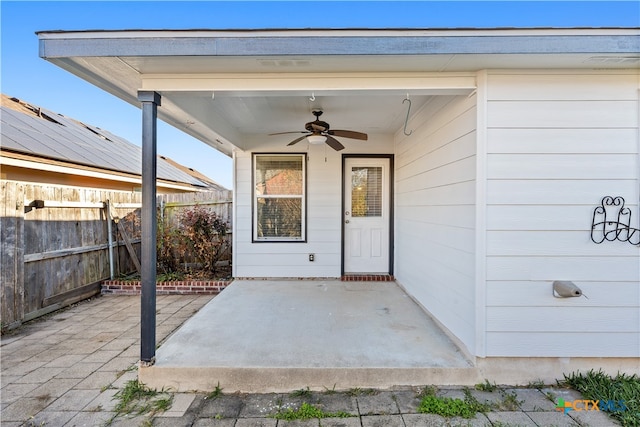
x=232, y=88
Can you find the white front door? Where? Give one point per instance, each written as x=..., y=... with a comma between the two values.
x=366, y=216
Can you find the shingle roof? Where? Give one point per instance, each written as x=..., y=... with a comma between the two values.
x=39, y=132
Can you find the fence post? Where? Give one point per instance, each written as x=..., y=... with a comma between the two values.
x=107, y=208
x=12, y=256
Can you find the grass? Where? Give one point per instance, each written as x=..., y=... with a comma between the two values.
x=603, y=387
x=446, y=407
x=449, y=407
x=537, y=384
x=303, y=392
x=137, y=399
x=510, y=401
x=217, y=392
x=357, y=391
x=307, y=411
x=486, y=386
x=330, y=390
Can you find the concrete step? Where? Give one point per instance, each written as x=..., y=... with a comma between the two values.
x=264, y=336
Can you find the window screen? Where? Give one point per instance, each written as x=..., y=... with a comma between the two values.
x=279, y=197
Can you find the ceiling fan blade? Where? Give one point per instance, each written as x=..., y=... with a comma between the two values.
x=284, y=133
x=295, y=141
x=334, y=143
x=348, y=134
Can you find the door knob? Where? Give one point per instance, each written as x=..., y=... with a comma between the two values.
x=347, y=221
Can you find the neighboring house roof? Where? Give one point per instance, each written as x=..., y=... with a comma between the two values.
x=51, y=137
x=194, y=173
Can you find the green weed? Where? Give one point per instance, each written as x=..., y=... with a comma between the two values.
x=137, y=399
x=601, y=386
x=217, y=392
x=450, y=407
x=510, y=401
x=171, y=276
x=301, y=393
x=308, y=412
x=362, y=392
x=446, y=407
x=486, y=386
x=428, y=390
x=330, y=390
x=473, y=402
x=537, y=384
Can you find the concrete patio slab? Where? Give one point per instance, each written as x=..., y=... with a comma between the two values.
x=270, y=336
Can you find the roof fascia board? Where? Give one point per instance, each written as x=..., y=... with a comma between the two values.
x=174, y=44
x=291, y=82
x=335, y=32
x=69, y=170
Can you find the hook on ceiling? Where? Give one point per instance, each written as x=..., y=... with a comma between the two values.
x=313, y=97
x=406, y=120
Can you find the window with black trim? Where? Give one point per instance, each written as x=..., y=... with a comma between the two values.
x=279, y=197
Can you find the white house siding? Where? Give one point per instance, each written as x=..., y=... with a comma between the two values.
x=435, y=171
x=556, y=144
x=324, y=213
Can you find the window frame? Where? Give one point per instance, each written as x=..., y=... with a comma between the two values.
x=255, y=196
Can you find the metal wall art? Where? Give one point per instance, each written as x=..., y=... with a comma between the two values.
x=612, y=221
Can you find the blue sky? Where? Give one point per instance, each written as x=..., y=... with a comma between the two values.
x=26, y=76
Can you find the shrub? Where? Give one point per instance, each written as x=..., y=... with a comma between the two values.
x=204, y=236
x=197, y=235
x=167, y=247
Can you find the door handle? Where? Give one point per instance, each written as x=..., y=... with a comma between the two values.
x=346, y=221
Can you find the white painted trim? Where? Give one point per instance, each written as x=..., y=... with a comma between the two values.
x=481, y=215
x=638, y=142
x=234, y=214
x=319, y=83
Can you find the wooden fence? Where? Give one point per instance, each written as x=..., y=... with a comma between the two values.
x=214, y=201
x=56, y=241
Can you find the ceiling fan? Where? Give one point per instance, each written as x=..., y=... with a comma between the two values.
x=318, y=132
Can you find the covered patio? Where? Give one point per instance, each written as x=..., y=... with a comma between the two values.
x=488, y=145
x=282, y=335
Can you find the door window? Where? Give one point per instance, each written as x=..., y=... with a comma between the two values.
x=366, y=191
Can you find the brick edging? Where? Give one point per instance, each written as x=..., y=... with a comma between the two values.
x=367, y=278
x=178, y=287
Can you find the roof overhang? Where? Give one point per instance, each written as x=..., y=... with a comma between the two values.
x=40, y=164
x=231, y=88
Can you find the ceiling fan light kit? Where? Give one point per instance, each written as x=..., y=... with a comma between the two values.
x=318, y=132
x=316, y=139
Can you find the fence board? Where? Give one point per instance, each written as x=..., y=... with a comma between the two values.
x=11, y=265
x=129, y=246
x=61, y=250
